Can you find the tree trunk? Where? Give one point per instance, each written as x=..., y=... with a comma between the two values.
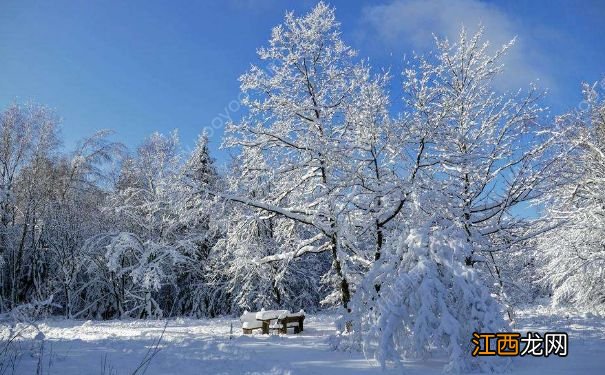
x=344, y=284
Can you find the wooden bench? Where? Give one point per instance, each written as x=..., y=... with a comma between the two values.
x=268, y=316
x=286, y=322
x=249, y=323
x=282, y=320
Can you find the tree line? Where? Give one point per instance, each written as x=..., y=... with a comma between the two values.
x=413, y=224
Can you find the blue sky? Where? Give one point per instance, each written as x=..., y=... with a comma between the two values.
x=141, y=66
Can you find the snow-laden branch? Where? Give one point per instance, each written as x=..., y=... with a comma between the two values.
x=299, y=217
x=306, y=247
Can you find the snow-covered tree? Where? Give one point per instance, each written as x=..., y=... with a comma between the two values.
x=199, y=169
x=149, y=239
x=199, y=214
x=573, y=253
x=246, y=259
x=28, y=142
x=478, y=155
x=430, y=301
x=488, y=151
x=73, y=214
x=51, y=205
x=303, y=102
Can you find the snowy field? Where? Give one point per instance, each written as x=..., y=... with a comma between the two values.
x=204, y=347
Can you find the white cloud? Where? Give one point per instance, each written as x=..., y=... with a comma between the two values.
x=412, y=23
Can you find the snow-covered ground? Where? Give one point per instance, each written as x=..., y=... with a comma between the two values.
x=205, y=347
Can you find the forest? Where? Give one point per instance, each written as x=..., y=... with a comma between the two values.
x=420, y=214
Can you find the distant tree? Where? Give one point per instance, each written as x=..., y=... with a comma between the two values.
x=573, y=254
x=74, y=214
x=198, y=213
x=142, y=251
x=28, y=142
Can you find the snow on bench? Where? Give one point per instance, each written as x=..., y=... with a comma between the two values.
x=249, y=322
x=282, y=320
x=270, y=314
